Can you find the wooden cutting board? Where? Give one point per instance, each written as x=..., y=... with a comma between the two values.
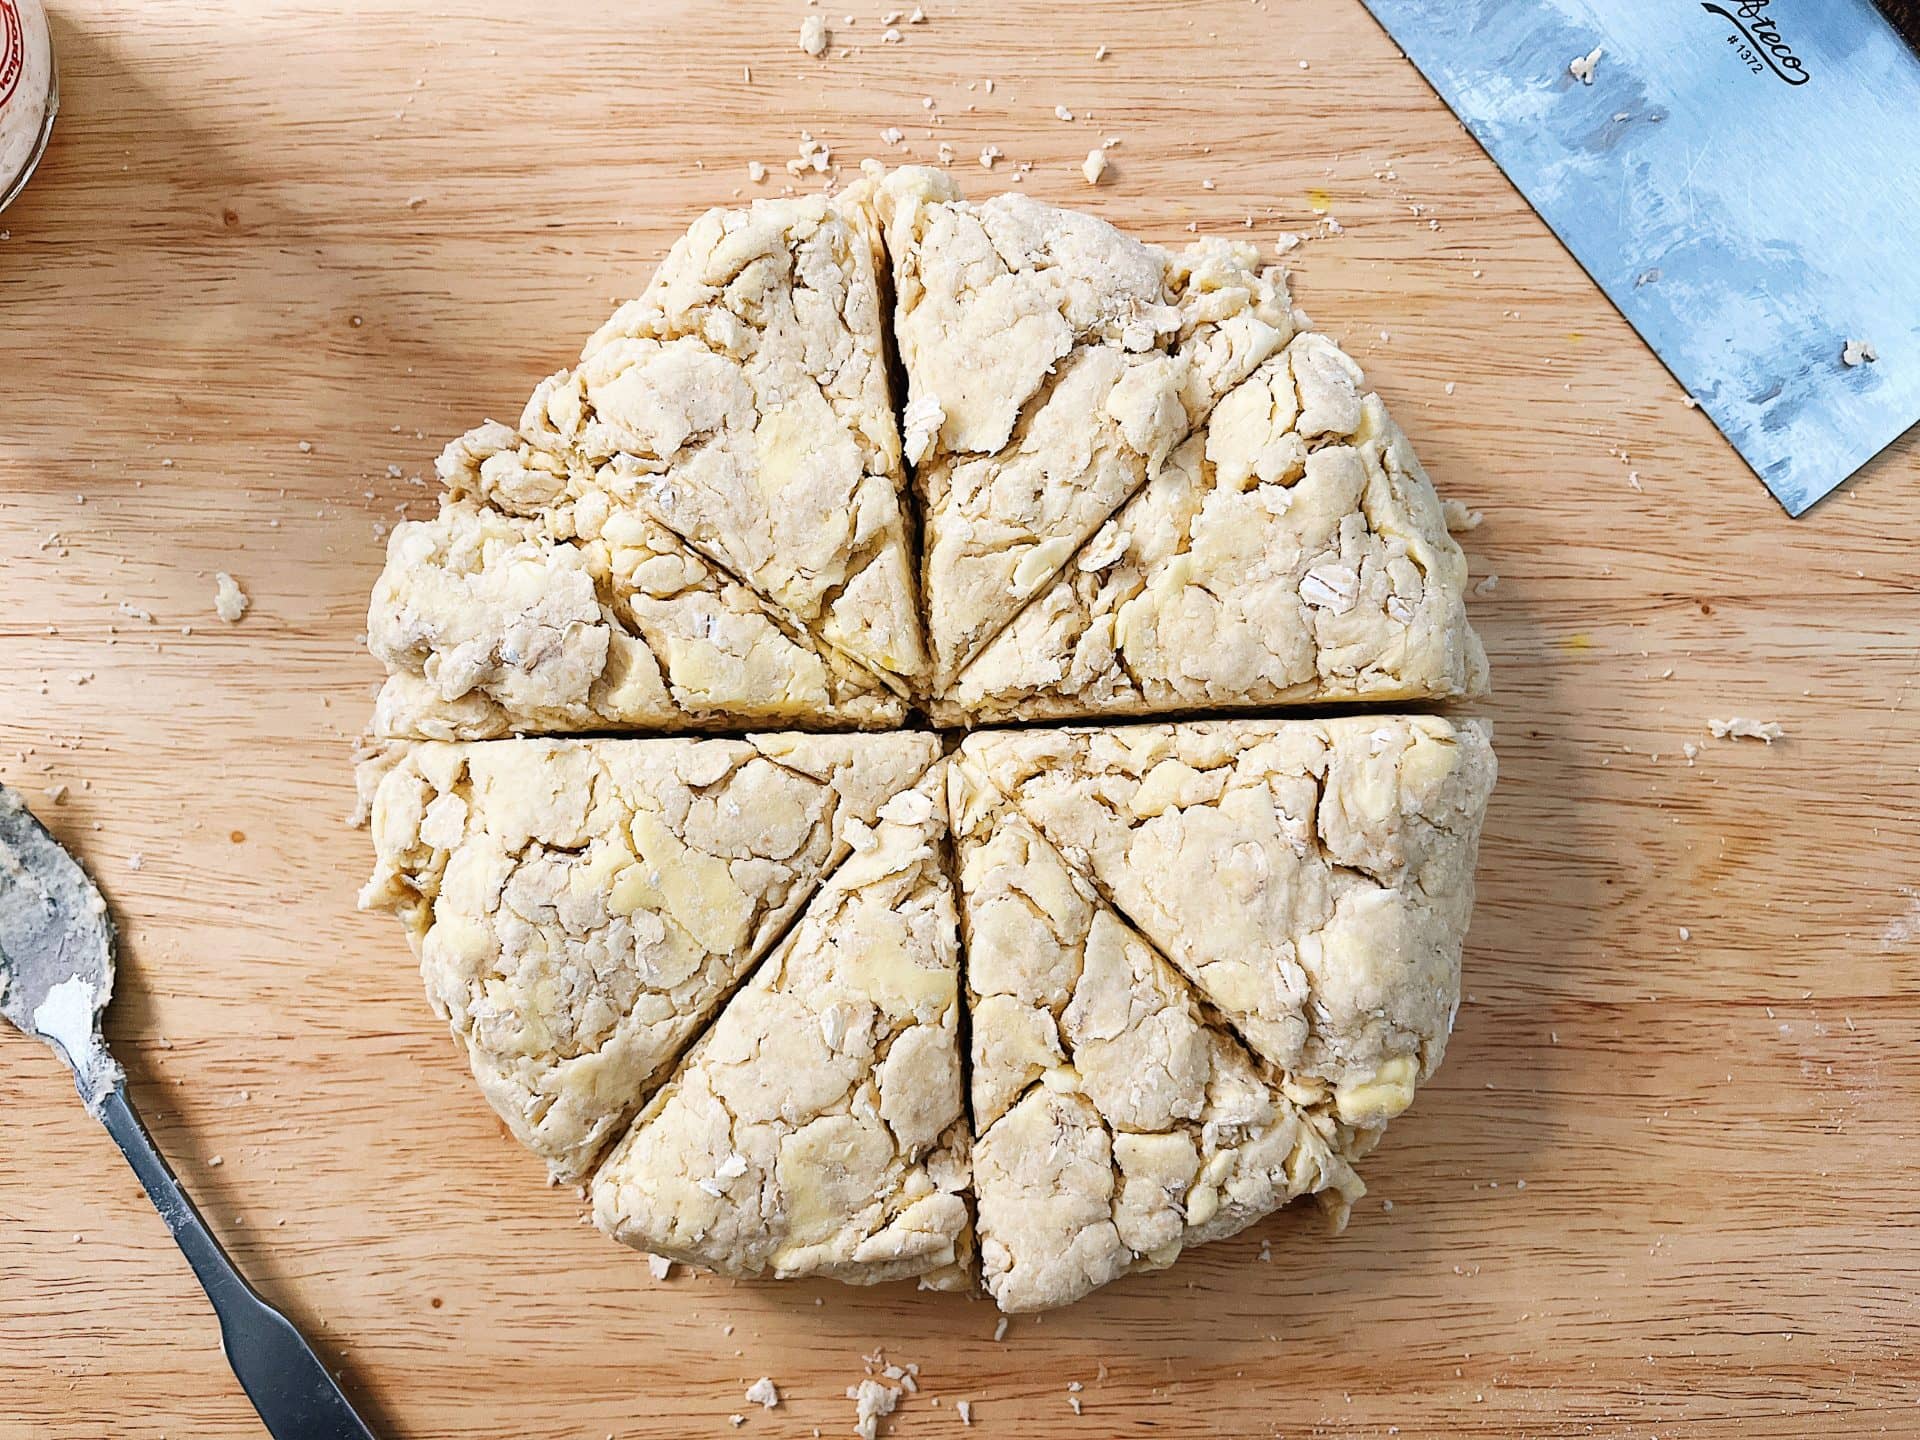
x=1667, y=1181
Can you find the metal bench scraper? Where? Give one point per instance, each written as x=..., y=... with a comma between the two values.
x=1742, y=178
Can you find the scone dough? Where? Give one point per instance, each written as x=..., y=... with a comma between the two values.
x=1116, y=1122
x=1053, y=364
x=580, y=908
x=743, y=402
x=1312, y=878
x=1037, y=1007
x=817, y=1128
x=1293, y=552
x=512, y=612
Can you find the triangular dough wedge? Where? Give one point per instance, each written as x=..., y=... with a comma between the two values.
x=580, y=908
x=1115, y=1121
x=1313, y=878
x=1053, y=364
x=743, y=401
x=519, y=609
x=1292, y=553
x=818, y=1127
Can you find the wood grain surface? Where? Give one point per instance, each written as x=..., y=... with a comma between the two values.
x=1667, y=1182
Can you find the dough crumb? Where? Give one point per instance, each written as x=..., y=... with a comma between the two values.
x=736, y=1421
x=1094, y=166
x=659, y=1266
x=964, y=1409
x=1858, y=352
x=1487, y=586
x=813, y=35
x=764, y=1393
x=756, y=172
x=1061, y=112
x=873, y=1402
x=1459, y=519
x=1740, y=728
x=136, y=860
x=1581, y=66
x=1286, y=242
x=229, y=600
x=989, y=154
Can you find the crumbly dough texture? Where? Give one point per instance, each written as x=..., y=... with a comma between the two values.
x=511, y=614
x=1292, y=552
x=834, y=1004
x=817, y=1128
x=1053, y=365
x=743, y=401
x=1313, y=878
x=1116, y=1121
x=580, y=908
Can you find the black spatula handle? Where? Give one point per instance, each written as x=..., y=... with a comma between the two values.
x=295, y=1395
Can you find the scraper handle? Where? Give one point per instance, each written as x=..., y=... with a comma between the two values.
x=294, y=1393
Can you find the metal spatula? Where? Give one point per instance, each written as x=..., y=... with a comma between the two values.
x=56, y=974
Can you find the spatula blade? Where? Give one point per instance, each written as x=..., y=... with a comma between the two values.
x=56, y=948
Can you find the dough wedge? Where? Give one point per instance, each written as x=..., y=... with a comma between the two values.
x=1293, y=552
x=817, y=1128
x=581, y=908
x=519, y=611
x=1312, y=878
x=1116, y=1121
x=1053, y=365
x=743, y=402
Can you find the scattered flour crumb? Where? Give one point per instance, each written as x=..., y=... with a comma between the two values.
x=1487, y=586
x=1690, y=750
x=1094, y=166
x=1061, y=112
x=1458, y=517
x=736, y=1421
x=1101, y=53
x=214, y=1162
x=872, y=1402
x=1685, y=933
x=989, y=154
x=1740, y=728
x=813, y=35
x=1858, y=352
x=57, y=794
x=1000, y=1329
x=964, y=1409
x=756, y=172
x=1581, y=66
x=659, y=1266
x=136, y=860
x=763, y=1392
x=229, y=600
x=1286, y=242
x=892, y=135
x=1074, y=1401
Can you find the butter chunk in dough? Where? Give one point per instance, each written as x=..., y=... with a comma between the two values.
x=580, y=908
x=1115, y=1122
x=818, y=1128
x=1053, y=364
x=1292, y=553
x=743, y=401
x=1313, y=878
x=581, y=617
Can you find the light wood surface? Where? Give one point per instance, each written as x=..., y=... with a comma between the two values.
x=1663, y=1186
